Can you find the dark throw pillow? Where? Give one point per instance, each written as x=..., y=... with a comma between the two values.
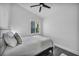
x=18, y=38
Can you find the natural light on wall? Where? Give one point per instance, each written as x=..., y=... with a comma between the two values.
x=14, y=31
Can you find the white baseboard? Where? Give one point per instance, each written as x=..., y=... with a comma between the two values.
x=65, y=48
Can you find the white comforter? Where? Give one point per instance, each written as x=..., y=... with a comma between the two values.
x=29, y=47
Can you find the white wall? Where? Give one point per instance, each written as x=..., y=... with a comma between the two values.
x=61, y=26
x=20, y=19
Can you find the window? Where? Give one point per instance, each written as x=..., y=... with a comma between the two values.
x=34, y=27
x=37, y=28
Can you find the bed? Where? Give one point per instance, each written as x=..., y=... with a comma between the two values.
x=31, y=45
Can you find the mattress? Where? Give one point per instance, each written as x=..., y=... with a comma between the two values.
x=31, y=45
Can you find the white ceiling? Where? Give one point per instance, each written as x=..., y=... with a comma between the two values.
x=45, y=12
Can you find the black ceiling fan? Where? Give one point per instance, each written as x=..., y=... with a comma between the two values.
x=41, y=5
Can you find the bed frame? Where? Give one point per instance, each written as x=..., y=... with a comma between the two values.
x=47, y=52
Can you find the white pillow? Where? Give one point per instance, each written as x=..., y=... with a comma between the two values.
x=10, y=40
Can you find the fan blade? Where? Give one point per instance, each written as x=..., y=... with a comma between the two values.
x=46, y=6
x=34, y=5
x=40, y=9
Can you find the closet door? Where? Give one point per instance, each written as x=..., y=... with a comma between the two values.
x=4, y=15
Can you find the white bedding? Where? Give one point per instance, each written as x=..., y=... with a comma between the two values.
x=29, y=47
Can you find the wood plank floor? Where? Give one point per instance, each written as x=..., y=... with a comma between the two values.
x=58, y=51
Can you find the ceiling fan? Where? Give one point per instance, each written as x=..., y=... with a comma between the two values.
x=41, y=5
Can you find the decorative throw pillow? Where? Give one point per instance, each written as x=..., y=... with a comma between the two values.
x=10, y=40
x=18, y=38
x=10, y=34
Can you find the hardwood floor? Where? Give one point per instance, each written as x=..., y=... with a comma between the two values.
x=58, y=51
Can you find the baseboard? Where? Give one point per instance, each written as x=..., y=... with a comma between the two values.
x=67, y=49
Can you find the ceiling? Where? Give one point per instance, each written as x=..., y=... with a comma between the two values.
x=45, y=12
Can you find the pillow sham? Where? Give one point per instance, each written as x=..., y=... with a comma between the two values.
x=10, y=34
x=10, y=40
x=18, y=38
